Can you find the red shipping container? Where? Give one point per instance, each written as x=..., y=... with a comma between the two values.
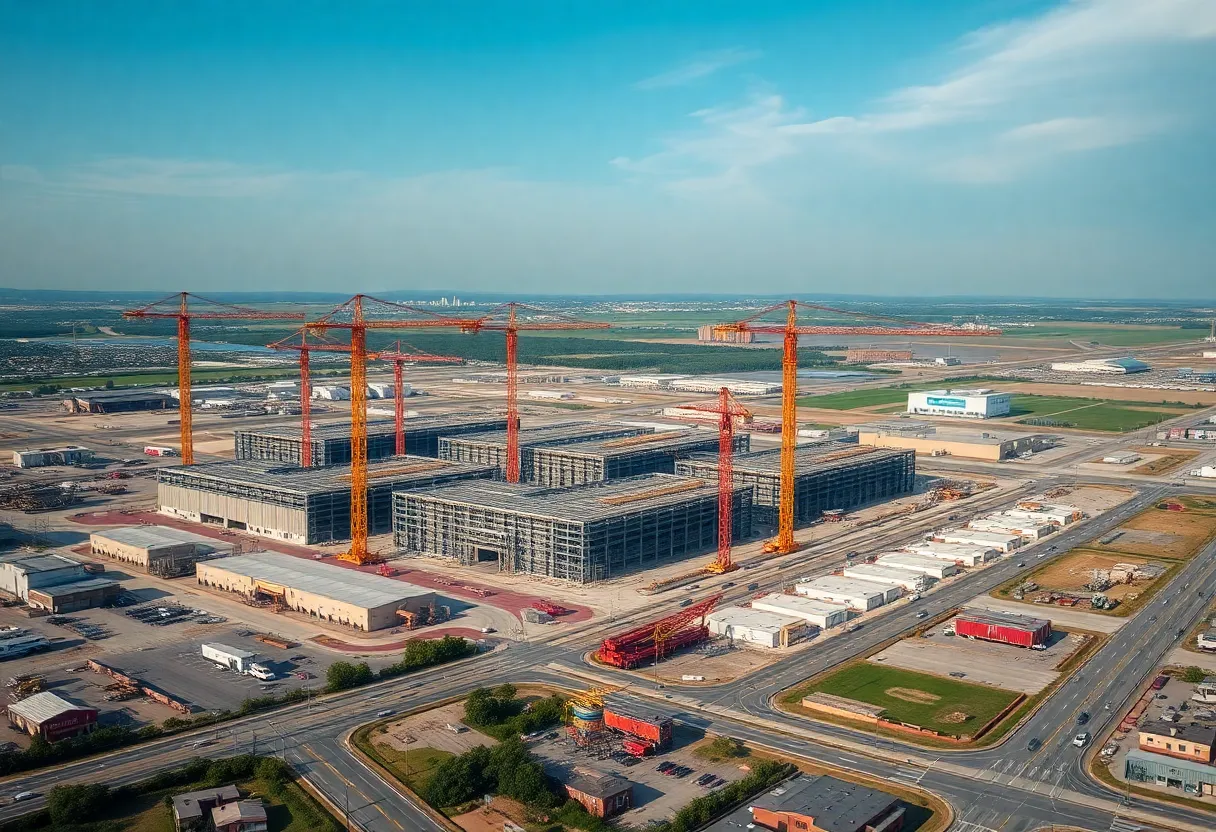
x=651, y=727
x=1018, y=630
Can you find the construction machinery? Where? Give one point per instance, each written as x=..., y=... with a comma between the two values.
x=298, y=342
x=729, y=411
x=784, y=542
x=184, y=314
x=400, y=355
x=650, y=642
x=358, y=315
x=539, y=320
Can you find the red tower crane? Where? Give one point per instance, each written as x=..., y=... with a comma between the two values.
x=541, y=320
x=729, y=411
x=400, y=357
x=298, y=342
x=183, y=314
x=790, y=330
x=358, y=315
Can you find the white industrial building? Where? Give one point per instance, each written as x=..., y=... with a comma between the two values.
x=924, y=564
x=1102, y=366
x=1205, y=471
x=19, y=573
x=966, y=404
x=821, y=614
x=974, y=537
x=1121, y=458
x=961, y=553
x=1059, y=515
x=751, y=626
x=331, y=393
x=67, y=455
x=858, y=595
x=738, y=386
x=380, y=390
x=887, y=574
x=1028, y=531
x=161, y=550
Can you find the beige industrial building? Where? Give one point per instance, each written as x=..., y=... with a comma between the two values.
x=332, y=594
x=160, y=550
x=928, y=440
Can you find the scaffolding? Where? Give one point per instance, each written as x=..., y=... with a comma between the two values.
x=588, y=533
x=829, y=477
x=302, y=505
x=597, y=460
x=490, y=448
x=331, y=441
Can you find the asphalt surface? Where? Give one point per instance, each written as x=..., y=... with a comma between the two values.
x=1008, y=788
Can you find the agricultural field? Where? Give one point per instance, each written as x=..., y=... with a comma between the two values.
x=945, y=705
x=1092, y=414
x=1163, y=463
x=1128, y=335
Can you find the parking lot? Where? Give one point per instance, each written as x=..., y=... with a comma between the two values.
x=656, y=794
x=982, y=662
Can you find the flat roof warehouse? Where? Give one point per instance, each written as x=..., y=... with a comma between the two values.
x=348, y=586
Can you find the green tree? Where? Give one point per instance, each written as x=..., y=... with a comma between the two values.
x=505, y=691
x=70, y=804
x=1194, y=675
x=347, y=675
x=726, y=747
x=109, y=384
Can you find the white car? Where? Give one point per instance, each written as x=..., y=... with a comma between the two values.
x=1081, y=740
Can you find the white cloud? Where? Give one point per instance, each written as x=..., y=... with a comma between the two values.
x=1066, y=81
x=699, y=67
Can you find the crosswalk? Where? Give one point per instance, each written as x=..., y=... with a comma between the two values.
x=1120, y=825
x=968, y=826
x=911, y=775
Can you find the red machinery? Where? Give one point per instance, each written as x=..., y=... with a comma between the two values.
x=551, y=608
x=651, y=641
x=399, y=357
x=637, y=748
x=649, y=727
x=1006, y=628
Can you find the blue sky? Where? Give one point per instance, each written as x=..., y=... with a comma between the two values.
x=960, y=146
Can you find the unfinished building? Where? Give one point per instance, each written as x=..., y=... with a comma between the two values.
x=826, y=478
x=301, y=505
x=490, y=447
x=330, y=443
x=589, y=533
x=579, y=453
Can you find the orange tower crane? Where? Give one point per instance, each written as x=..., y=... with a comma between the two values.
x=358, y=315
x=400, y=357
x=298, y=342
x=729, y=411
x=183, y=314
x=784, y=543
x=540, y=320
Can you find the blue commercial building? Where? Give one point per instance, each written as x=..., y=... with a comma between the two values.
x=1158, y=769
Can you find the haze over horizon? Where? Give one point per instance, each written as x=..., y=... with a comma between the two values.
x=1056, y=149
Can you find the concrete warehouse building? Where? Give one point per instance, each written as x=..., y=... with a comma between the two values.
x=158, y=550
x=1102, y=366
x=887, y=574
x=1000, y=541
x=816, y=803
x=929, y=440
x=301, y=505
x=331, y=441
x=926, y=565
x=962, y=404
x=758, y=627
x=119, y=401
x=490, y=447
x=821, y=614
x=67, y=455
x=329, y=593
x=51, y=717
x=608, y=459
x=76, y=596
x=857, y=594
x=1029, y=532
x=20, y=573
x=961, y=553
x=826, y=477
x=587, y=533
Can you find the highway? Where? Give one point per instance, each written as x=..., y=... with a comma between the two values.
x=1007, y=788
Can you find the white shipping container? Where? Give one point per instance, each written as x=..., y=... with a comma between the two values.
x=232, y=658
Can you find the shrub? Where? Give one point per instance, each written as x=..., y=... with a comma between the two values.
x=1194, y=675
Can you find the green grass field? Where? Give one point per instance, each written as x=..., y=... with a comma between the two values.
x=853, y=399
x=1094, y=414
x=415, y=766
x=1115, y=336
x=876, y=685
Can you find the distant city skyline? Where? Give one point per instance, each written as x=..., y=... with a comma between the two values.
x=1055, y=149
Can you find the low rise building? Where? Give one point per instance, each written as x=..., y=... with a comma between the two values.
x=192, y=810
x=1206, y=640
x=1102, y=366
x=963, y=404
x=858, y=595
x=1186, y=775
x=1121, y=458
x=75, y=596
x=973, y=537
x=22, y=572
x=159, y=550
x=1192, y=742
x=821, y=614
x=240, y=816
x=67, y=455
x=119, y=401
x=963, y=554
x=927, y=439
x=810, y=803
x=931, y=566
x=910, y=580
x=755, y=626
x=51, y=717
x=1029, y=530
x=1058, y=515
x=602, y=795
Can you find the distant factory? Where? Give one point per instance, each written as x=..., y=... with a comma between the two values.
x=119, y=401
x=962, y=404
x=927, y=439
x=1102, y=366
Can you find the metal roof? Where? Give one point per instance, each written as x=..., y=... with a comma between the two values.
x=45, y=706
x=152, y=537
x=40, y=563
x=341, y=430
x=235, y=652
x=836, y=805
x=809, y=460
x=801, y=604
x=771, y=622
x=122, y=395
x=1004, y=619
x=1202, y=734
x=600, y=785
x=348, y=586
x=849, y=586
x=673, y=441
x=63, y=590
x=559, y=433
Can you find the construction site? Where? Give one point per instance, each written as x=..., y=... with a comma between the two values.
x=828, y=478
x=299, y=505
x=582, y=534
x=490, y=447
x=330, y=442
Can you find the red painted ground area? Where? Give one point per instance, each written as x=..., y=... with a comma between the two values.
x=393, y=646
x=507, y=600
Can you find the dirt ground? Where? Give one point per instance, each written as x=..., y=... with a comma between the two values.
x=1071, y=572
x=492, y=818
x=1175, y=534
x=427, y=730
x=1163, y=463
x=720, y=663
